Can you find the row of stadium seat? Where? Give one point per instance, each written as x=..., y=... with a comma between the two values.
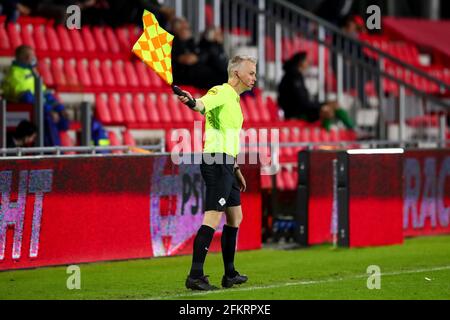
x=94, y=75
x=286, y=179
x=100, y=42
x=153, y=110
x=406, y=52
x=419, y=82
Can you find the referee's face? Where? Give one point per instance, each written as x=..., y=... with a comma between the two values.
x=247, y=74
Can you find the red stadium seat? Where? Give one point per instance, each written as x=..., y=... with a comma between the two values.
x=262, y=108
x=77, y=41
x=142, y=73
x=58, y=72
x=115, y=109
x=66, y=140
x=64, y=39
x=52, y=39
x=280, y=181
x=71, y=73
x=102, y=110
x=273, y=108
x=269, y=48
x=162, y=105
x=187, y=114
x=155, y=80
x=111, y=40
x=245, y=112
x=119, y=74
x=95, y=73
x=4, y=39
x=305, y=134
x=127, y=109
x=134, y=32
x=252, y=109
x=122, y=36
x=27, y=35
x=114, y=141
x=139, y=109
x=100, y=39
x=88, y=39
x=324, y=135
x=46, y=73
x=290, y=179
x=174, y=108
x=287, y=152
x=128, y=139
x=83, y=73
x=131, y=75
x=151, y=109
x=107, y=73
x=39, y=39
x=287, y=50
x=14, y=34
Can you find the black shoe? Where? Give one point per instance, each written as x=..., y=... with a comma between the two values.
x=228, y=282
x=200, y=283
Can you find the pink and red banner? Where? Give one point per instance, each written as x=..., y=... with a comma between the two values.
x=85, y=209
x=422, y=200
x=426, y=198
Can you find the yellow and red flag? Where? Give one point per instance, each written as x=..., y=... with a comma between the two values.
x=154, y=47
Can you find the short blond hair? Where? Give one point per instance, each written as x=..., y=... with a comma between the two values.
x=236, y=61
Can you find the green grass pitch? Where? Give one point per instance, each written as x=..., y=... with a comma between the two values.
x=418, y=269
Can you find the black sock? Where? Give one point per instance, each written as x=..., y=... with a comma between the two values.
x=228, y=241
x=201, y=245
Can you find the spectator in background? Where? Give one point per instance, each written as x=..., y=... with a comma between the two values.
x=55, y=10
x=200, y=65
x=353, y=76
x=99, y=134
x=130, y=12
x=334, y=11
x=294, y=99
x=10, y=10
x=49, y=9
x=211, y=47
x=24, y=135
x=18, y=86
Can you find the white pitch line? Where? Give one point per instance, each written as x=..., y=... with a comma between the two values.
x=297, y=283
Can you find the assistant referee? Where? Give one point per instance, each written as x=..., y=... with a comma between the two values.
x=220, y=171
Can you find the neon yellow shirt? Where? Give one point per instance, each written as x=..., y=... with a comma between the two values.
x=18, y=80
x=223, y=120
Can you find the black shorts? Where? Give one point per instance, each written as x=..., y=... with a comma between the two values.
x=222, y=188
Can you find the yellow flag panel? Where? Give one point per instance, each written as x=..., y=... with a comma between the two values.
x=154, y=47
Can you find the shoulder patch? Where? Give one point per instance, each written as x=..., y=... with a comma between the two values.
x=212, y=91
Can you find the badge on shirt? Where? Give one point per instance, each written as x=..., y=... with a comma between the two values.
x=212, y=91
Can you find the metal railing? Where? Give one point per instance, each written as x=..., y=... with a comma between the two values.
x=82, y=150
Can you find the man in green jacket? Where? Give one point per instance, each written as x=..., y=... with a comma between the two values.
x=18, y=86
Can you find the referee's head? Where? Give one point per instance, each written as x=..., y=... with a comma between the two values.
x=242, y=72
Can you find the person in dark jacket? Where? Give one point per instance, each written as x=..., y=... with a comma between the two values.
x=294, y=99
x=191, y=62
x=24, y=135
